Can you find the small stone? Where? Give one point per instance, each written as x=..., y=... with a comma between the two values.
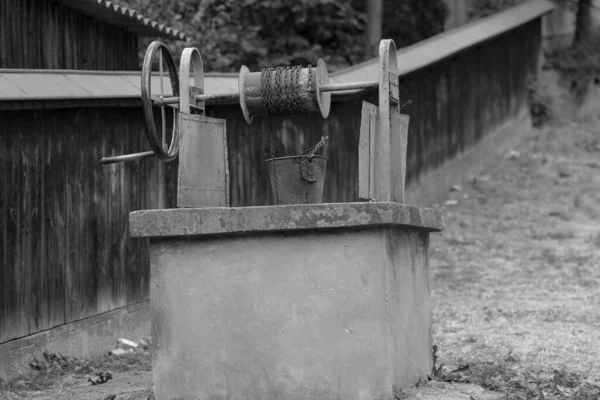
x=465, y=196
x=596, y=241
x=594, y=164
x=117, y=352
x=451, y=202
x=512, y=155
x=456, y=188
x=563, y=171
x=564, y=215
x=126, y=343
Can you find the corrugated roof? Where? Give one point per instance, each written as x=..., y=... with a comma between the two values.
x=123, y=17
x=17, y=85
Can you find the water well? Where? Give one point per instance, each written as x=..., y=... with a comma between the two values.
x=299, y=300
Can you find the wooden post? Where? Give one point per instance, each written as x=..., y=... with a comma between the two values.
x=383, y=137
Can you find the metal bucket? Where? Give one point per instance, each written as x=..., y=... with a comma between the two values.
x=297, y=179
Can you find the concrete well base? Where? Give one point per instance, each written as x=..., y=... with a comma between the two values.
x=326, y=301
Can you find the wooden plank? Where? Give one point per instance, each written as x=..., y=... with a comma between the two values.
x=73, y=175
x=87, y=267
x=203, y=169
x=25, y=233
x=4, y=193
x=387, y=63
x=132, y=270
x=4, y=34
x=114, y=214
x=101, y=237
x=55, y=182
x=366, y=171
x=123, y=231
x=145, y=203
x=12, y=24
x=38, y=305
x=12, y=324
x=399, y=127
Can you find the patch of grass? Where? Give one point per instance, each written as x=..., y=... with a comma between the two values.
x=9, y=392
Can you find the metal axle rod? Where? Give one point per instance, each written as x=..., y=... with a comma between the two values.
x=340, y=87
x=127, y=157
x=218, y=97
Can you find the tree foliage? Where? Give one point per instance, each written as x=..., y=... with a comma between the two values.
x=483, y=8
x=410, y=21
x=261, y=33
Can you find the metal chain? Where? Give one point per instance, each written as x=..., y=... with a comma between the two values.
x=307, y=157
x=275, y=178
x=305, y=191
x=282, y=97
x=310, y=153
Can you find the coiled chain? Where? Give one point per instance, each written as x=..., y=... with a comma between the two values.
x=280, y=90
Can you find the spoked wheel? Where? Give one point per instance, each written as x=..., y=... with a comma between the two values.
x=158, y=144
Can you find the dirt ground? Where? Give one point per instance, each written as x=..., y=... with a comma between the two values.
x=515, y=284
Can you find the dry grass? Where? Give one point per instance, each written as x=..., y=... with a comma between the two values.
x=516, y=273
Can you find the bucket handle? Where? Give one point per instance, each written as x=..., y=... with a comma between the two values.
x=311, y=151
x=308, y=174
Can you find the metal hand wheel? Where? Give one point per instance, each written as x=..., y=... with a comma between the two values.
x=157, y=144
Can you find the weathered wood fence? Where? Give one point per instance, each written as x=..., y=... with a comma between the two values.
x=64, y=39
x=65, y=252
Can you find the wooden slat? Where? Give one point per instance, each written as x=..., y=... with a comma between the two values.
x=399, y=123
x=25, y=232
x=72, y=300
x=55, y=182
x=38, y=306
x=4, y=273
x=203, y=167
x=114, y=214
x=100, y=175
x=87, y=270
x=12, y=326
x=366, y=152
x=129, y=272
x=122, y=232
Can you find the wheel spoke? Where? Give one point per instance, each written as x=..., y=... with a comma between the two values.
x=162, y=106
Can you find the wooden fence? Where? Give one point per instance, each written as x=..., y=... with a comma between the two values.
x=64, y=244
x=60, y=38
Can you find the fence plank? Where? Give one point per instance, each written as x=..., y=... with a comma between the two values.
x=4, y=267
x=37, y=311
x=56, y=205
x=12, y=295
